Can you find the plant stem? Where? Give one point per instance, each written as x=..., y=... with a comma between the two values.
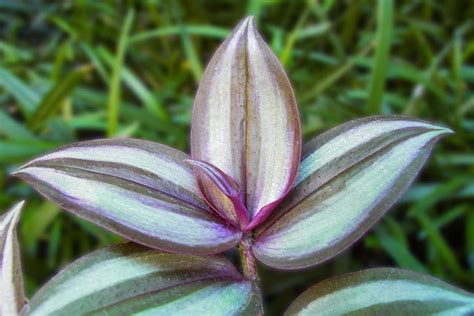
x=247, y=259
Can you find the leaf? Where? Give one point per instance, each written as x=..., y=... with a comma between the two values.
x=233, y=210
x=13, y=129
x=348, y=178
x=138, y=189
x=245, y=121
x=383, y=291
x=53, y=100
x=26, y=97
x=14, y=151
x=150, y=102
x=210, y=31
x=381, y=62
x=12, y=296
x=130, y=279
x=113, y=103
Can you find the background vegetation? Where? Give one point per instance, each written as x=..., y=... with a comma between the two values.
x=76, y=70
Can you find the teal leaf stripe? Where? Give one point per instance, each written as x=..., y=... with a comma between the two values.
x=131, y=279
x=383, y=291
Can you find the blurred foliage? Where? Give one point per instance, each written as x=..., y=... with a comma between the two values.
x=76, y=70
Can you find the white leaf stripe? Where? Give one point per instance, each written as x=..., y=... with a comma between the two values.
x=132, y=279
x=245, y=121
x=138, y=189
x=208, y=297
x=349, y=136
x=382, y=291
x=165, y=163
x=132, y=212
x=342, y=147
x=322, y=223
x=12, y=297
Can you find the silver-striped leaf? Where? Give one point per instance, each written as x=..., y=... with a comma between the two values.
x=383, y=291
x=246, y=123
x=141, y=190
x=132, y=279
x=348, y=178
x=12, y=296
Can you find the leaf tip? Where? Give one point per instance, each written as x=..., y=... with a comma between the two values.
x=12, y=217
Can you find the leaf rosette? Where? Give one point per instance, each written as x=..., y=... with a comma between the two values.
x=248, y=183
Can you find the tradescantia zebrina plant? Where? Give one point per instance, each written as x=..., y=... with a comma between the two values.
x=247, y=184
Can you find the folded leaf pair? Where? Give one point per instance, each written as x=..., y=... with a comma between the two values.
x=146, y=192
x=247, y=183
x=246, y=148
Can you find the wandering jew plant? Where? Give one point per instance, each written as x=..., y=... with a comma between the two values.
x=247, y=184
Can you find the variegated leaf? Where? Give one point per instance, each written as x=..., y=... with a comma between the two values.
x=383, y=292
x=12, y=296
x=130, y=279
x=348, y=178
x=231, y=208
x=245, y=122
x=138, y=189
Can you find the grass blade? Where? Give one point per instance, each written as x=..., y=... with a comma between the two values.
x=13, y=129
x=26, y=97
x=56, y=96
x=381, y=58
x=114, y=86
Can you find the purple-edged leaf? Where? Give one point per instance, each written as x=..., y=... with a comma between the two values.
x=138, y=189
x=383, y=291
x=348, y=178
x=12, y=296
x=231, y=206
x=245, y=121
x=130, y=279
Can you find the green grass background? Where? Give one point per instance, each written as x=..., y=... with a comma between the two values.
x=76, y=70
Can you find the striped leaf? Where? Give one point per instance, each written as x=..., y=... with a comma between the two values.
x=138, y=189
x=349, y=176
x=383, y=291
x=130, y=279
x=12, y=296
x=245, y=122
x=231, y=208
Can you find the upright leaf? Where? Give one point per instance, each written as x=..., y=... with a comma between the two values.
x=130, y=279
x=245, y=121
x=138, y=189
x=383, y=292
x=348, y=178
x=12, y=296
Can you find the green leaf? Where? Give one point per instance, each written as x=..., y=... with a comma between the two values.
x=12, y=296
x=35, y=222
x=383, y=291
x=26, y=97
x=149, y=101
x=13, y=129
x=348, y=178
x=113, y=103
x=130, y=279
x=14, y=151
x=210, y=31
x=53, y=100
x=381, y=63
